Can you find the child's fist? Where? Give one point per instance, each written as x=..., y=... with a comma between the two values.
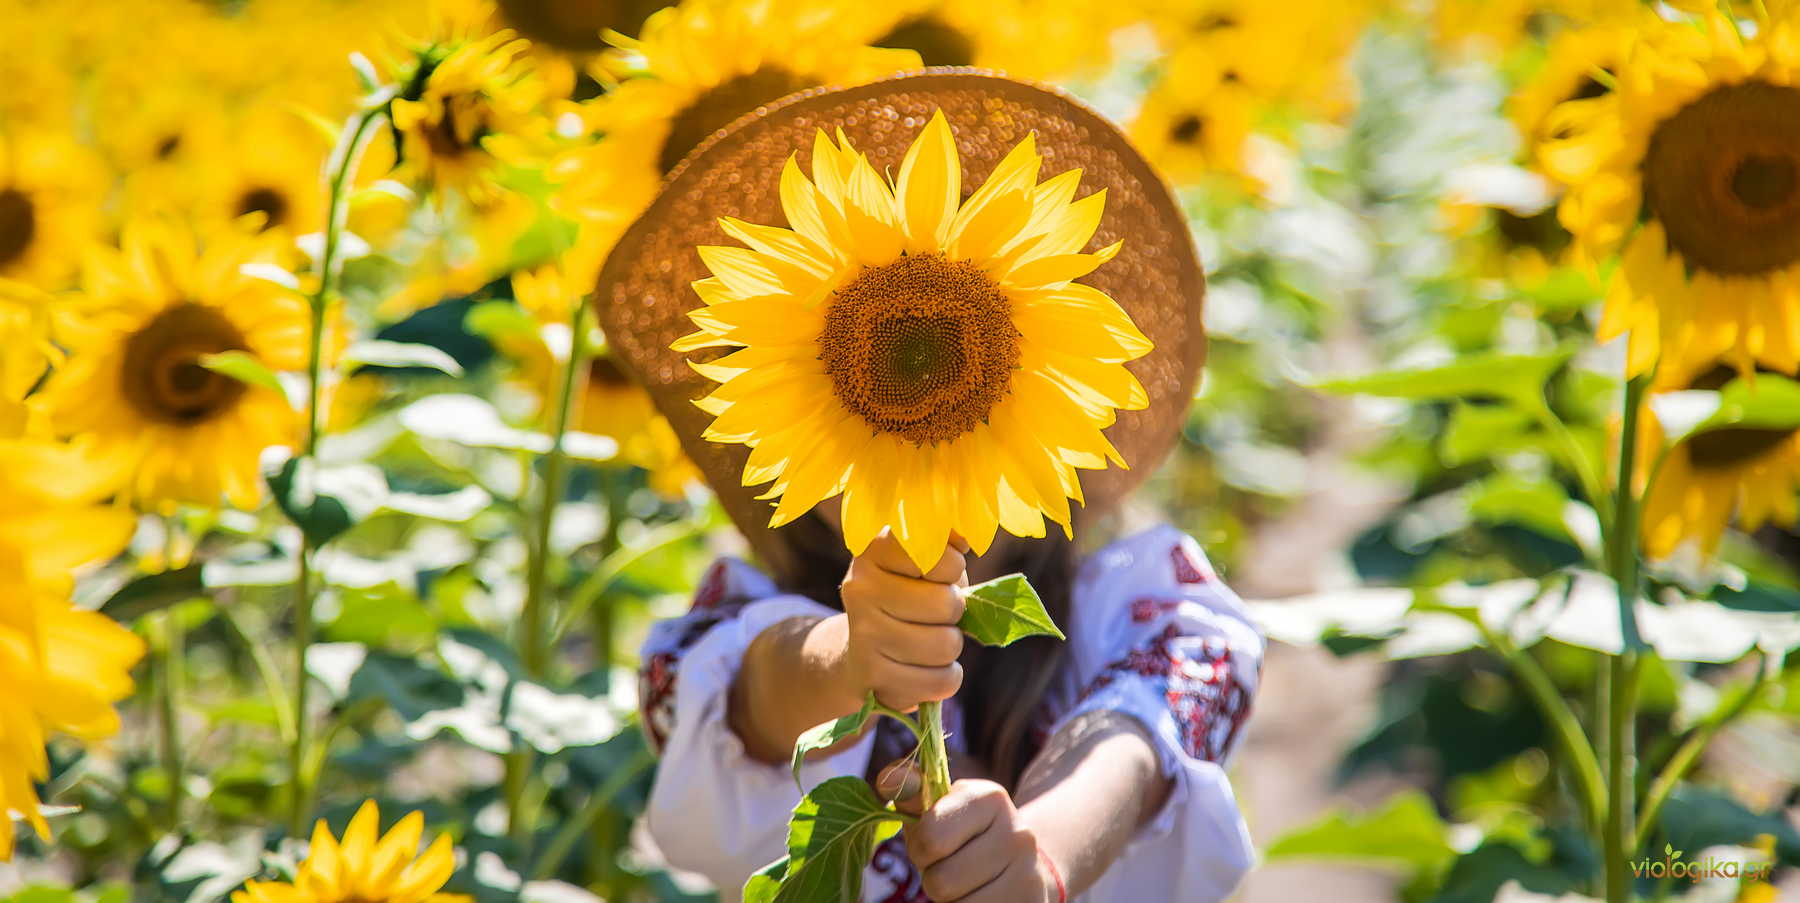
x=902, y=639
x=972, y=847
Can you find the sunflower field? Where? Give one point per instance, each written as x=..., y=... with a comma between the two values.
x=330, y=527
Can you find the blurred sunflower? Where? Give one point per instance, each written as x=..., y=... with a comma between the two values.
x=1692, y=166
x=576, y=26
x=136, y=385
x=1580, y=64
x=704, y=63
x=365, y=866
x=614, y=405
x=470, y=107
x=63, y=668
x=1026, y=39
x=49, y=197
x=25, y=334
x=1194, y=122
x=1746, y=471
x=951, y=336
x=264, y=172
x=1274, y=54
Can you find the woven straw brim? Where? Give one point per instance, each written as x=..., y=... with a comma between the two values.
x=645, y=289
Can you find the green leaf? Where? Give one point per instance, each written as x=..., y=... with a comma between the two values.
x=154, y=592
x=402, y=354
x=831, y=836
x=1005, y=609
x=325, y=503
x=243, y=367
x=1406, y=833
x=1477, y=432
x=1518, y=378
x=497, y=321
x=1769, y=402
x=828, y=734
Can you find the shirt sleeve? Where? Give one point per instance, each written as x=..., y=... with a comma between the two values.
x=714, y=809
x=1159, y=637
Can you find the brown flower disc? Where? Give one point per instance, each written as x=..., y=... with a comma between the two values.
x=923, y=347
x=162, y=375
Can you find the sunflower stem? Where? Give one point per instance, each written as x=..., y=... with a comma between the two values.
x=934, y=760
x=170, y=678
x=342, y=167
x=533, y=645
x=1617, y=834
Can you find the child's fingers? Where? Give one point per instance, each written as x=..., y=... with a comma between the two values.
x=969, y=809
x=976, y=864
x=887, y=553
x=901, y=783
x=920, y=601
x=924, y=646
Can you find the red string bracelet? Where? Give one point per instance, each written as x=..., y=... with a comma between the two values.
x=1062, y=890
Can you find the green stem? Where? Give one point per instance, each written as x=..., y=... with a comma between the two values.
x=1577, y=459
x=169, y=692
x=344, y=159
x=265, y=670
x=1590, y=783
x=1621, y=723
x=934, y=761
x=597, y=804
x=901, y=717
x=533, y=645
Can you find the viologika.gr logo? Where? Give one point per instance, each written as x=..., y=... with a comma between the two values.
x=1673, y=866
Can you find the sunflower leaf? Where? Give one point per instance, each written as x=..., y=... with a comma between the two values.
x=827, y=735
x=1517, y=378
x=831, y=836
x=325, y=503
x=1767, y=402
x=243, y=367
x=402, y=355
x=1005, y=609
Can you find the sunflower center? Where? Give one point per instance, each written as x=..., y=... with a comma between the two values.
x=163, y=377
x=722, y=105
x=923, y=347
x=1733, y=446
x=267, y=201
x=18, y=223
x=1540, y=230
x=603, y=371
x=1188, y=129
x=938, y=43
x=460, y=129
x=1722, y=176
x=575, y=24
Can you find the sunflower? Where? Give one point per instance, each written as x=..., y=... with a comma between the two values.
x=25, y=334
x=470, y=108
x=1580, y=64
x=136, y=385
x=704, y=63
x=265, y=175
x=1747, y=471
x=1692, y=167
x=1194, y=123
x=48, y=202
x=576, y=26
x=1276, y=54
x=1028, y=39
x=896, y=338
x=365, y=867
x=614, y=405
x=63, y=668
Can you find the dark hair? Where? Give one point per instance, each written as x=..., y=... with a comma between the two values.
x=1002, y=688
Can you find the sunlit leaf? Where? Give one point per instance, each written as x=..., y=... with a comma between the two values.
x=243, y=367
x=1005, y=609
x=833, y=832
x=381, y=353
x=830, y=733
x=1518, y=378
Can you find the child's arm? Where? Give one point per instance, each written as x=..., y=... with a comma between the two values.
x=896, y=636
x=1079, y=803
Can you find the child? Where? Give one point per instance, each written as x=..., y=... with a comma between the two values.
x=1090, y=769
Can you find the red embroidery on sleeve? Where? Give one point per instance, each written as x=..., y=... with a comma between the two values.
x=1188, y=568
x=670, y=640
x=1148, y=608
x=891, y=862
x=1198, y=679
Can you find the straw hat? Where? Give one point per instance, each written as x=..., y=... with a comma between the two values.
x=645, y=288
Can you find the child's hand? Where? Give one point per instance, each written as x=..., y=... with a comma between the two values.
x=972, y=847
x=902, y=640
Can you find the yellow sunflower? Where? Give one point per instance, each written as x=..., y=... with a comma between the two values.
x=1274, y=53
x=264, y=173
x=1692, y=168
x=615, y=406
x=1579, y=65
x=895, y=337
x=1027, y=39
x=471, y=106
x=135, y=385
x=704, y=63
x=63, y=669
x=1747, y=472
x=49, y=197
x=1194, y=122
x=365, y=866
x=576, y=26
x=25, y=334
